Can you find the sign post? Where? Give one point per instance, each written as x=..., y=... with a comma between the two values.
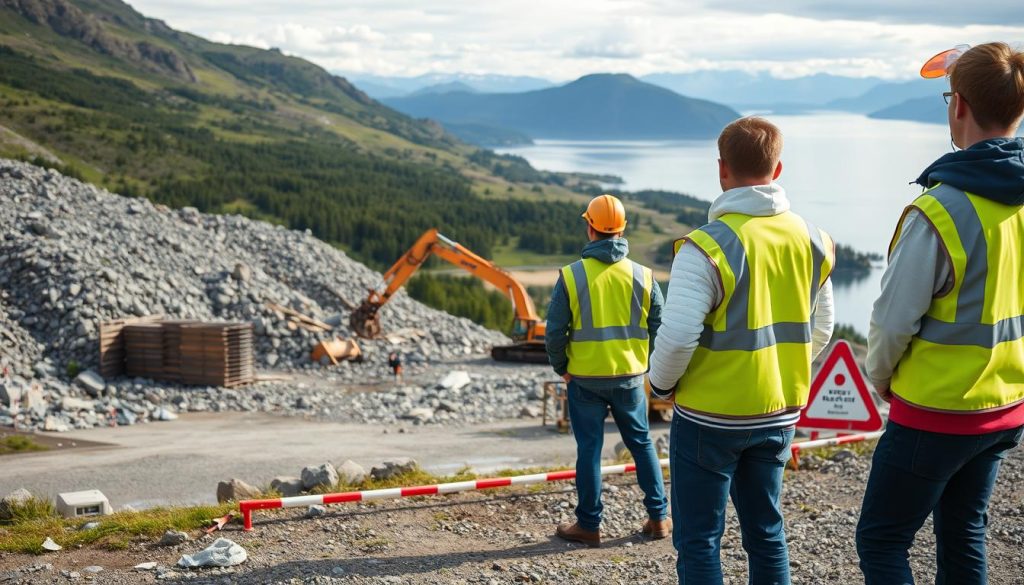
x=840, y=399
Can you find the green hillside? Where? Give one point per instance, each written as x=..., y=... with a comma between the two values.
x=600, y=106
x=100, y=91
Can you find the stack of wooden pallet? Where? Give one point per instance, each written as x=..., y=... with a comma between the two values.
x=112, y=345
x=217, y=354
x=172, y=349
x=186, y=352
x=144, y=350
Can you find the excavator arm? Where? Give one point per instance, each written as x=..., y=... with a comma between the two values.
x=365, y=320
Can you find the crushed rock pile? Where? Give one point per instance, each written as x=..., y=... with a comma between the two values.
x=73, y=255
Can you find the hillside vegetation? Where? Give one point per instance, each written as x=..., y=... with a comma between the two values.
x=101, y=92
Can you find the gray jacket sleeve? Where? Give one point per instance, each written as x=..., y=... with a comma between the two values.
x=917, y=271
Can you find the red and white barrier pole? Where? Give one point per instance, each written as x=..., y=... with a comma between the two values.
x=247, y=507
x=831, y=442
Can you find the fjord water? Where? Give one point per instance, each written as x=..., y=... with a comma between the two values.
x=848, y=173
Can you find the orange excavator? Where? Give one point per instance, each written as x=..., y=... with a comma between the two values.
x=527, y=329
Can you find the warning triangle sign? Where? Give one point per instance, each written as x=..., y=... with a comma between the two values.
x=840, y=399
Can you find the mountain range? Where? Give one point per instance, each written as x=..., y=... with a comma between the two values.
x=599, y=107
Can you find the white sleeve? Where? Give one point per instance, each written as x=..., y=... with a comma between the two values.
x=824, y=319
x=917, y=271
x=692, y=293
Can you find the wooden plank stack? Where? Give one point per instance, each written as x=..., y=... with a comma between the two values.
x=172, y=349
x=181, y=351
x=144, y=350
x=112, y=348
x=217, y=354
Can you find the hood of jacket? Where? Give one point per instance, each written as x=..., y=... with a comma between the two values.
x=758, y=201
x=993, y=169
x=608, y=251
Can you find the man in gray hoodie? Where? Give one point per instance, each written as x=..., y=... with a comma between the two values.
x=604, y=315
x=946, y=345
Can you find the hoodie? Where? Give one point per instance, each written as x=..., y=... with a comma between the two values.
x=695, y=290
x=918, y=270
x=993, y=169
x=559, y=321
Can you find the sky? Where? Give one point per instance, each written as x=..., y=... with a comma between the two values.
x=563, y=39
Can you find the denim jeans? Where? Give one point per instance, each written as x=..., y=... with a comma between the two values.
x=709, y=466
x=916, y=473
x=588, y=410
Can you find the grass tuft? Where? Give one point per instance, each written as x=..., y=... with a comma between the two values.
x=19, y=444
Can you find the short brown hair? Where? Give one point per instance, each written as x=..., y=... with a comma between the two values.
x=751, y=147
x=990, y=78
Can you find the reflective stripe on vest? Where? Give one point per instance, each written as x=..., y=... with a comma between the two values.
x=767, y=312
x=968, y=355
x=604, y=339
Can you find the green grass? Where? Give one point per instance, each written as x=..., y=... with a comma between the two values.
x=19, y=444
x=37, y=520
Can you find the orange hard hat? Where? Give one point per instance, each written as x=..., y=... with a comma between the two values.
x=606, y=214
x=938, y=66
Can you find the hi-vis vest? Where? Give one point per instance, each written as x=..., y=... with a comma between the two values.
x=754, y=356
x=969, y=353
x=609, y=304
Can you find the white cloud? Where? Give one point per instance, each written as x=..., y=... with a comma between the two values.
x=565, y=39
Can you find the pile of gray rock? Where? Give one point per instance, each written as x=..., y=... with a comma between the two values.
x=73, y=255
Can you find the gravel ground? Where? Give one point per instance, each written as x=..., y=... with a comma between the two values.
x=73, y=255
x=506, y=537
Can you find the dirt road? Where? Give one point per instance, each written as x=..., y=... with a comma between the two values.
x=182, y=461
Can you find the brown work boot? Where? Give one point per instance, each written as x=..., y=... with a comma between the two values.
x=574, y=533
x=657, y=529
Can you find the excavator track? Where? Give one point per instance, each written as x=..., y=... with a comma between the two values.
x=529, y=353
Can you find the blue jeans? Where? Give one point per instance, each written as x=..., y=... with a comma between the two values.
x=588, y=410
x=709, y=466
x=917, y=473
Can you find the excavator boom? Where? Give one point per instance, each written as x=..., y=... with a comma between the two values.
x=529, y=329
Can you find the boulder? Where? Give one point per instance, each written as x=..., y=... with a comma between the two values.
x=172, y=538
x=11, y=501
x=287, y=486
x=235, y=490
x=454, y=380
x=324, y=475
x=530, y=411
x=351, y=473
x=420, y=414
x=10, y=395
x=242, y=272
x=391, y=469
x=316, y=511
x=92, y=382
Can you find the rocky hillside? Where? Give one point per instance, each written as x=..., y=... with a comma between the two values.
x=73, y=255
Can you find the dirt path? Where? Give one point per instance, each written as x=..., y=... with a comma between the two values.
x=505, y=537
x=182, y=461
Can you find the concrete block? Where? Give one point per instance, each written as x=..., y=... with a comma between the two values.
x=84, y=503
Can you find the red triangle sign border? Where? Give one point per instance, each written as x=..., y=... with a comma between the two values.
x=841, y=351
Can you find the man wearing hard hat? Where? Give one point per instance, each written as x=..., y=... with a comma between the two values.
x=604, y=314
x=946, y=344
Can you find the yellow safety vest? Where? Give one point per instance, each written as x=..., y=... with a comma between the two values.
x=968, y=355
x=754, y=355
x=609, y=305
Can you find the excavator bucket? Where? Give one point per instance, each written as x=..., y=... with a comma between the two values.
x=365, y=320
x=337, y=350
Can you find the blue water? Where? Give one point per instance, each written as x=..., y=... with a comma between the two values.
x=847, y=173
